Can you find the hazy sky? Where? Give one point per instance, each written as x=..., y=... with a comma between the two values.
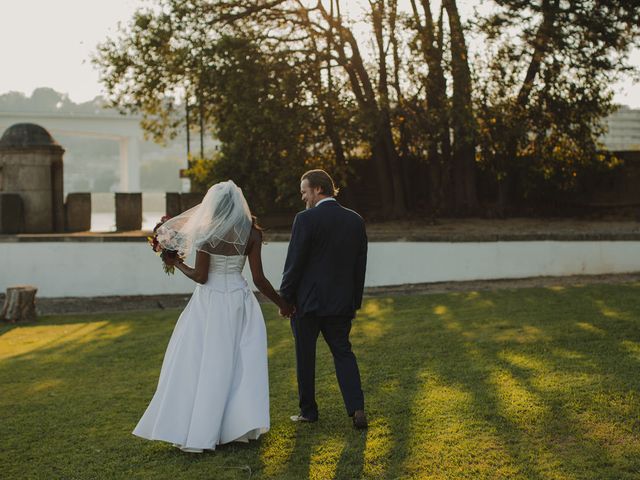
x=48, y=43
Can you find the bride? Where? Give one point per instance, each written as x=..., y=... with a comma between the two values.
x=213, y=385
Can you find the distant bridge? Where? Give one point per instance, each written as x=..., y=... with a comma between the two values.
x=123, y=129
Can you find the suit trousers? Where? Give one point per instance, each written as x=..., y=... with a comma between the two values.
x=335, y=330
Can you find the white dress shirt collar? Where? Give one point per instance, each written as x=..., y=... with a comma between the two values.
x=328, y=199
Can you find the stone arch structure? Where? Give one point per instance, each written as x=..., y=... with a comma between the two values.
x=123, y=129
x=31, y=166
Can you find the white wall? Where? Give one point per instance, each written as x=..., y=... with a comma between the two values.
x=60, y=269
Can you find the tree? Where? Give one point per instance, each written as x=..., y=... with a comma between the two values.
x=547, y=86
x=168, y=58
x=261, y=121
x=296, y=85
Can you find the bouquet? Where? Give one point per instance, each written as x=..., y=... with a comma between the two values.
x=163, y=253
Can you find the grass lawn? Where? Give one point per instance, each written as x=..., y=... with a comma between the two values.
x=515, y=384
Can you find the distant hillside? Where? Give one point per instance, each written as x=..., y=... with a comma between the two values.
x=47, y=100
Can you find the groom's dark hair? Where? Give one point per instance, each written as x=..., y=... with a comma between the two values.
x=321, y=179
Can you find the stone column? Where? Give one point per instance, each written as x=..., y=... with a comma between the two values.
x=57, y=190
x=129, y=164
x=189, y=200
x=128, y=211
x=78, y=212
x=28, y=173
x=11, y=213
x=172, y=204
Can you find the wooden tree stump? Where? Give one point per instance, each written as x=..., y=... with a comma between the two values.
x=20, y=304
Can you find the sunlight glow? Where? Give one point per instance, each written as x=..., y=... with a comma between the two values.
x=524, y=334
x=517, y=402
x=44, y=385
x=325, y=457
x=632, y=347
x=556, y=288
x=377, y=307
x=276, y=450
x=378, y=448
x=607, y=311
x=450, y=434
x=440, y=310
x=27, y=339
x=590, y=328
x=524, y=361
x=375, y=311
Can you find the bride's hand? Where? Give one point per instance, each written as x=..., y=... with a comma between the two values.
x=171, y=260
x=287, y=310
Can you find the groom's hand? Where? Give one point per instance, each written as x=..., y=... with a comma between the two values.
x=288, y=310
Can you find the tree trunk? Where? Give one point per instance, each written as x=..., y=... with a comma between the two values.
x=410, y=199
x=540, y=45
x=19, y=304
x=504, y=194
x=463, y=122
x=383, y=126
x=338, y=150
x=374, y=107
x=325, y=102
x=365, y=97
x=439, y=153
x=394, y=166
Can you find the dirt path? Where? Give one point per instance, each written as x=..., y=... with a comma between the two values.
x=503, y=284
x=533, y=226
x=478, y=229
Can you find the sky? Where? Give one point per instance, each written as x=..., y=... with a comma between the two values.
x=49, y=43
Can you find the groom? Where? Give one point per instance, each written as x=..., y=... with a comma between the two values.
x=324, y=279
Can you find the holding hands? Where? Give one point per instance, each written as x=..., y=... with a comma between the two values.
x=287, y=310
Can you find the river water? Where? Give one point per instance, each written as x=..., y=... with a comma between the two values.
x=106, y=222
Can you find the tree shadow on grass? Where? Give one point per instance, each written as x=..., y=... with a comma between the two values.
x=490, y=385
x=72, y=404
x=559, y=442
x=324, y=449
x=458, y=348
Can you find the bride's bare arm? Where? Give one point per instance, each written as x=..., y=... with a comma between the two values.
x=260, y=281
x=200, y=273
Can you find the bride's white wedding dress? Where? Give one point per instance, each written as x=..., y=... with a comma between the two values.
x=213, y=386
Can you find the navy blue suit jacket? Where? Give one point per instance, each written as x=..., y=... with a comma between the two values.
x=326, y=261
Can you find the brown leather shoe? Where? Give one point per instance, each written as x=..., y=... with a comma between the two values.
x=360, y=420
